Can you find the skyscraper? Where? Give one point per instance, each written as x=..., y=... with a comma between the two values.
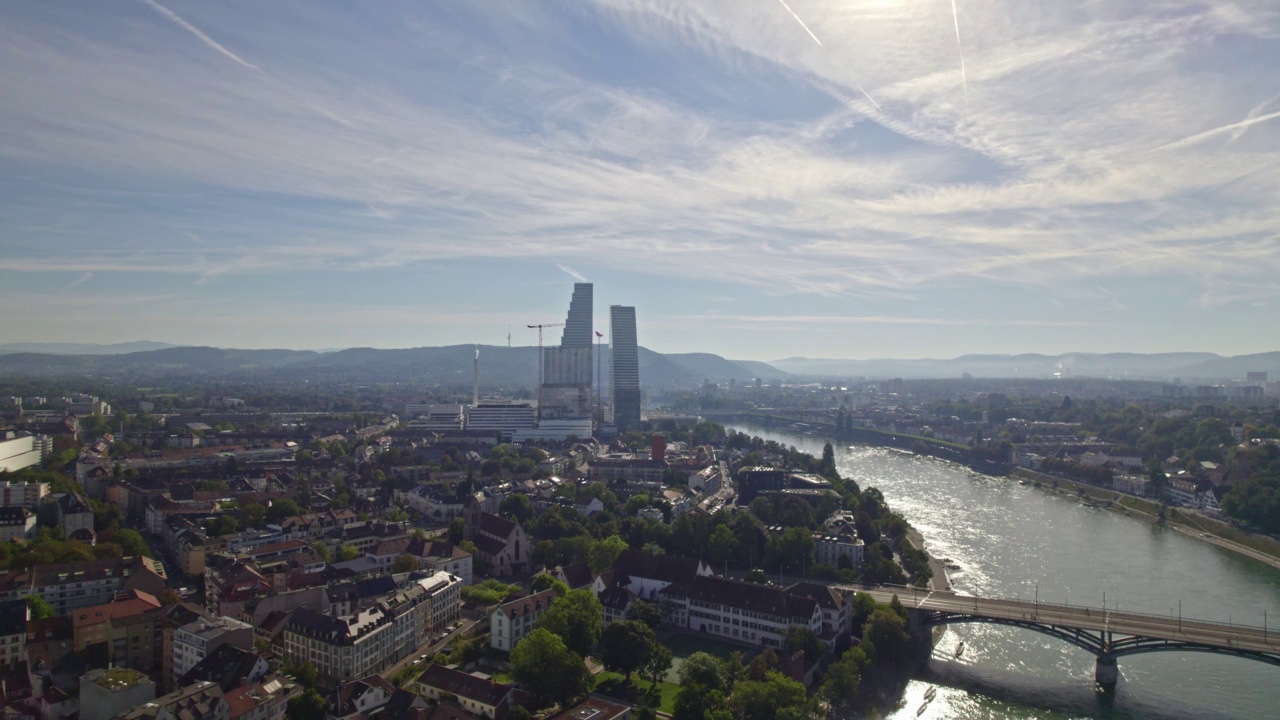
x=566, y=370
x=577, y=327
x=624, y=370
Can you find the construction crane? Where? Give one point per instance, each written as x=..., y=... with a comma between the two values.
x=544, y=325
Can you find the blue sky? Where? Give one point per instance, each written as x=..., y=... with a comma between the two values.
x=879, y=178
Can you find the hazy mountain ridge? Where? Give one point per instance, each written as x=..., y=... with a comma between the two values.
x=1155, y=366
x=83, y=348
x=511, y=367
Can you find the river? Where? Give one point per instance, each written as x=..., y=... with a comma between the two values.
x=1014, y=540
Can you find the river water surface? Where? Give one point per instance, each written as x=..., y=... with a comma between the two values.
x=1016, y=541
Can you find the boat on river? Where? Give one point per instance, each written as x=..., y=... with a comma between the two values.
x=960, y=649
x=931, y=693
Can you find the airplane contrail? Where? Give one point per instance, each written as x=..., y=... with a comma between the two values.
x=196, y=31
x=964, y=78
x=806, y=27
x=1201, y=137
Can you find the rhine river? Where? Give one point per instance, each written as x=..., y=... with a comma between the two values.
x=1016, y=541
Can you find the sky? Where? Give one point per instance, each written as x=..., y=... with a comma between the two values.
x=834, y=178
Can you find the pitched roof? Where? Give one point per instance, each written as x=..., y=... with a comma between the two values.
x=617, y=598
x=826, y=597
x=464, y=685
x=665, y=568
x=534, y=603
x=763, y=599
x=496, y=525
x=577, y=575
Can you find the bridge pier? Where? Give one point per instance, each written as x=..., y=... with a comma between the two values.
x=1105, y=672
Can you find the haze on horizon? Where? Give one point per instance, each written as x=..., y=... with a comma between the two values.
x=874, y=178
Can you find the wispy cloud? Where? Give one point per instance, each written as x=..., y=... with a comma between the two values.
x=572, y=273
x=199, y=34
x=84, y=278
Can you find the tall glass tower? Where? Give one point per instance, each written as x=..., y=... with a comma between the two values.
x=578, y=327
x=624, y=369
x=566, y=370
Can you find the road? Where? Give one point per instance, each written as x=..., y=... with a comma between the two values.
x=1224, y=635
x=428, y=648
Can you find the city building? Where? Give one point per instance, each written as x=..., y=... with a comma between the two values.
x=14, y=615
x=130, y=628
x=755, y=481
x=479, y=696
x=741, y=611
x=506, y=417
x=196, y=640
x=202, y=701
x=501, y=544
x=645, y=575
x=624, y=368
x=567, y=371
x=267, y=700
x=19, y=450
x=844, y=550
x=20, y=494
x=16, y=523
x=105, y=694
x=511, y=621
x=67, y=586
x=74, y=513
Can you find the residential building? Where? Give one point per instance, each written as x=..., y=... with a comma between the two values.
x=266, y=700
x=755, y=481
x=844, y=550
x=372, y=697
x=837, y=611
x=196, y=640
x=67, y=586
x=20, y=494
x=14, y=615
x=74, y=513
x=16, y=523
x=628, y=469
x=229, y=667
x=511, y=621
x=482, y=697
x=105, y=694
x=130, y=628
x=624, y=368
x=202, y=701
x=429, y=555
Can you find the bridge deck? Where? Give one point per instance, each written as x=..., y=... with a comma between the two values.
x=1156, y=627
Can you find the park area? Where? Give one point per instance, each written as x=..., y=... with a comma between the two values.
x=681, y=646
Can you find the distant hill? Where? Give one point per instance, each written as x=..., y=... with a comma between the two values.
x=508, y=367
x=713, y=367
x=83, y=348
x=1134, y=366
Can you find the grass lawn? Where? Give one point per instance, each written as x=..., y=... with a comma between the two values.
x=682, y=646
x=611, y=683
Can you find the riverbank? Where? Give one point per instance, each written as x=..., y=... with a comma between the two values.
x=1215, y=532
x=939, y=580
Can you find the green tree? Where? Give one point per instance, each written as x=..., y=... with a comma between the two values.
x=578, y=618
x=776, y=696
x=657, y=664
x=697, y=702
x=637, y=503
x=455, y=533
x=307, y=706
x=604, y=554
x=222, y=525
x=131, y=543
x=322, y=551
x=304, y=672
x=347, y=553
x=517, y=507
x=547, y=581
x=404, y=563
x=40, y=608
x=281, y=509
x=840, y=684
x=548, y=668
x=723, y=542
x=646, y=612
x=627, y=646
x=886, y=630
x=703, y=668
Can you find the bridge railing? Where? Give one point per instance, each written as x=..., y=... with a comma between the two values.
x=908, y=591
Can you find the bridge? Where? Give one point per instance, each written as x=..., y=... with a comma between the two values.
x=1106, y=633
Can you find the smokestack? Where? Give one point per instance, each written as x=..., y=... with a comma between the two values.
x=475, y=380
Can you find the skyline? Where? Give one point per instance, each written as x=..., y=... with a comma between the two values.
x=763, y=180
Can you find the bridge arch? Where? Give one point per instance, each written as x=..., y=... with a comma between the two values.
x=1106, y=646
